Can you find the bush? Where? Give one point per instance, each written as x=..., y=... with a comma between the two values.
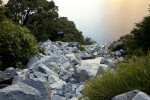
x=129, y=76
x=16, y=45
x=88, y=41
x=81, y=48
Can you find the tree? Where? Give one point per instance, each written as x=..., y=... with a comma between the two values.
x=37, y=15
x=2, y=11
x=138, y=41
x=142, y=34
x=67, y=30
x=1, y=2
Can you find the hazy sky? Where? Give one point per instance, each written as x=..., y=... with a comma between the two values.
x=5, y=1
x=103, y=20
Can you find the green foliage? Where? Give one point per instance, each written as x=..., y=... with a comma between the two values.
x=1, y=2
x=81, y=48
x=41, y=18
x=2, y=11
x=37, y=15
x=129, y=76
x=88, y=41
x=41, y=50
x=67, y=30
x=138, y=41
x=16, y=45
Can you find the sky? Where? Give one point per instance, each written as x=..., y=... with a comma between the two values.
x=103, y=20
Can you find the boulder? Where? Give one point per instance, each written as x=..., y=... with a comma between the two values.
x=81, y=75
x=7, y=76
x=57, y=97
x=69, y=95
x=121, y=59
x=117, y=45
x=141, y=96
x=79, y=91
x=73, y=44
x=31, y=61
x=48, y=42
x=74, y=61
x=44, y=69
x=52, y=79
x=67, y=88
x=40, y=76
x=18, y=78
x=20, y=91
x=46, y=61
x=65, y=78
x=118, y=53
x=102, y=61
x=58, y=85
x=87, y=56
x=108, y=62
x=53, y=65
x=42, y=87
x=101, y=69
x=126, y=96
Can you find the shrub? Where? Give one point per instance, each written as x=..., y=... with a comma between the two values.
x=16, y=45
x=129, y=76
x=88, y=41
x=81, y=48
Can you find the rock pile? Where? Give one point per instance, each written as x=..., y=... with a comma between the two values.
x=58, y=75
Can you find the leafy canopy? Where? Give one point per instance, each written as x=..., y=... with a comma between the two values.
x=16, y=45
x=37, y=15
x=67, y=30
x=138, y=41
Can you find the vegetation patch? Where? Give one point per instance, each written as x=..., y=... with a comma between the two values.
x=81, y=48
x=17, y=45
x=129, y=76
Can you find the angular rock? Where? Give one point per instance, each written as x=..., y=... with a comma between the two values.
x=141, y=96
x=79, y=90
x=18, y=78
x=117, y=46
x=74, y=61
x=20, y=91
x=73, y=44
x=87, y=56
x=108, y=62
x=31, y=61
x=126, y=96
x=57, y=97
x=65, y=78
x=81, y=75
x=67, y=88
x=68, y=96
x=53, y=65
x=100, y=71
x=40, y=76
x=102, y=61
x=58, y=85
x=44, y=69
x=7, y=76
x=52, y=79
x=42, y=87
x=118, y=53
